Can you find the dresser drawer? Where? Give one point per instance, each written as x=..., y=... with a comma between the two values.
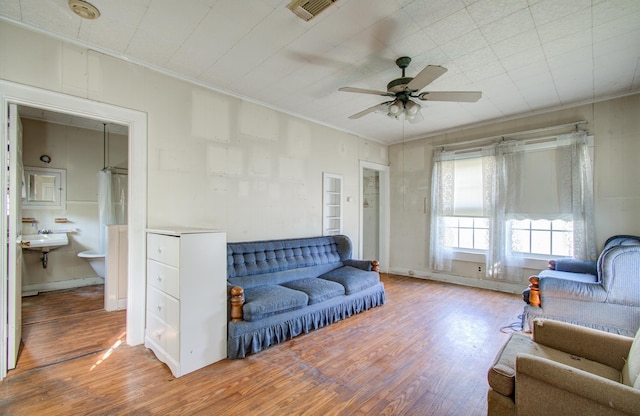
x=164, y=278
x=164, y=248
x=163, y=306
x=163, y=335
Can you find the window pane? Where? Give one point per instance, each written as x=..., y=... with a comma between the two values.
x=481, y=222
x=520, y=241
x=451, y=237
x=481, y=238
x=466, y=238
x=562, y=225
x=520, y=224
x=466, y=222
x=562, y=243
x=450, y=221
x=541, y=242
x=541, y=224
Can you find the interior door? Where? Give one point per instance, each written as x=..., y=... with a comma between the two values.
x=14, y=261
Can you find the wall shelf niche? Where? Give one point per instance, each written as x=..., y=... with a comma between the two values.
x=331, y=204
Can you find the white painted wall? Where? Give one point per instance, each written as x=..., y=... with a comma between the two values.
x=615, y=126
x=80, y=152
x=213, y=160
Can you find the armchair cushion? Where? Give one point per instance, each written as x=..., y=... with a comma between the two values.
x=502, y=374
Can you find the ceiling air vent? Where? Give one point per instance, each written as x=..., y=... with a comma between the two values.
x=308, y=9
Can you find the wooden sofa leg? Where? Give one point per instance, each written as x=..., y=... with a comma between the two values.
x=534, y=291
x=237, y=300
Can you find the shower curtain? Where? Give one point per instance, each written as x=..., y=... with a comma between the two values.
x=105, y=206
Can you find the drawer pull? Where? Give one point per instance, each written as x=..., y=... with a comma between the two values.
x=159, y=250
x=159, y=308
x=158, y=335
x=159, y=277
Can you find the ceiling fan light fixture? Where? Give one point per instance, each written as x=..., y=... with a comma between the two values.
x=395, y=108
x=412, y=108
x=84, y=9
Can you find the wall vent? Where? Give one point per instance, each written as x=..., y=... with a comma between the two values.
x=308, y=9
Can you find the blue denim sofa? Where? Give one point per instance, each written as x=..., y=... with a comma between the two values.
x=603, y=295
x=282, y=288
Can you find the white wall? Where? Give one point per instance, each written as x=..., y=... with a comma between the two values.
x=80, y=152
x=213, y=160
x=614, y=124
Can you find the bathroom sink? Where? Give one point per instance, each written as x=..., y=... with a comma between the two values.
x=44, y=242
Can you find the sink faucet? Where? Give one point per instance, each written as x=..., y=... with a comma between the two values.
x=44, y=231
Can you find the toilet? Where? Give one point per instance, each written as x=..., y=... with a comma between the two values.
x=96, y=260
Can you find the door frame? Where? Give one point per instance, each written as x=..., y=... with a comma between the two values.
x=385, y=209
x=11, y=92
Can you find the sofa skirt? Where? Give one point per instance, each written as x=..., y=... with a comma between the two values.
x=250, y=337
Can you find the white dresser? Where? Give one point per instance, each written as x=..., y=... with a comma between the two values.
x=186, y=297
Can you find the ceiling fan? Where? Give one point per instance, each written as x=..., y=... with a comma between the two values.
x=405, y=88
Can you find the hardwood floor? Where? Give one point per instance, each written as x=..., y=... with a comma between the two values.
x=425, y=352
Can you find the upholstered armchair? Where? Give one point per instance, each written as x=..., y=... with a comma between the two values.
x=603, y=295
x=565, y=369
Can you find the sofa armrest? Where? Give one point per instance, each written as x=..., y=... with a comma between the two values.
x=603, y=347
x=545, y=387
x=366, y=265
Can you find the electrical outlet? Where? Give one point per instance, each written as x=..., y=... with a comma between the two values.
x=480, y=270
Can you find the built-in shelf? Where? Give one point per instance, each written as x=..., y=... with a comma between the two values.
x=331, y=204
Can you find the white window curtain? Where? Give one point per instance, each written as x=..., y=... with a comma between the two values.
x=448, y=198
x=519, y=183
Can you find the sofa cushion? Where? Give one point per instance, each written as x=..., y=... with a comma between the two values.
x=502, y=373
x=264, y=301
x=318, y=290
x=354, y=280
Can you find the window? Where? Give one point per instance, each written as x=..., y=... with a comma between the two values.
x=467, y=233
x=542, y=237
x=514, y=200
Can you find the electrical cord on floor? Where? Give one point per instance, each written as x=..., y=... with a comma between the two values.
x=516, y=326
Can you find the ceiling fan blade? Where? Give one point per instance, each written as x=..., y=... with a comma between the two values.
x=461, y=96
x=376, y=107
x=365, y=91
x=429, y=74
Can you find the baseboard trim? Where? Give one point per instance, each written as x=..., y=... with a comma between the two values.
x=31, y=290
x=499, y=286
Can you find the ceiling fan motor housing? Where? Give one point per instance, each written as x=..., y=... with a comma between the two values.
x=398, y=84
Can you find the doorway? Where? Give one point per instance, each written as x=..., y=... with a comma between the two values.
x=93, y=158
x=374, y=213
x=137, y=123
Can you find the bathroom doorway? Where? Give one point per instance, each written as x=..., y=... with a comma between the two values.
x=93, y=157
x=374, y=213
x=13, y=93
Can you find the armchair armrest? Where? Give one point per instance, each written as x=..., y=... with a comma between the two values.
x=568, y=264
x=571, y=289
x=366, y=265
x=545, y=387
x=603, y=347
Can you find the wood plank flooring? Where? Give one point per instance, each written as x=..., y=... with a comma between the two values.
x=425, y=352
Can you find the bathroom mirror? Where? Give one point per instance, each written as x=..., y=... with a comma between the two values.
x=44, y=188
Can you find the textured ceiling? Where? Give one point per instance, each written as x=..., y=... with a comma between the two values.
x=524, y=55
